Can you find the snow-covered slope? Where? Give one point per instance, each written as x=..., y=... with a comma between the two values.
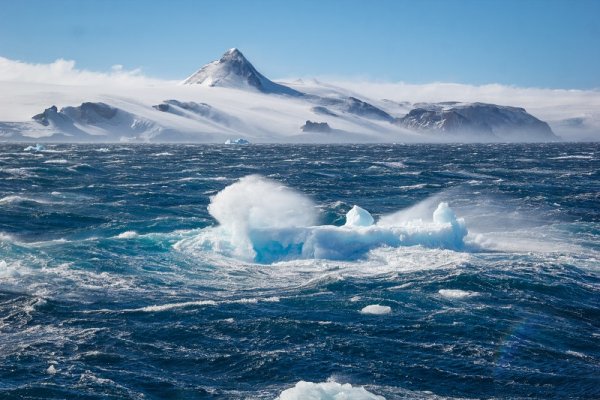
x=477, y=120
x=229, y=98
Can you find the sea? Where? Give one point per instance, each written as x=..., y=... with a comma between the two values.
x=400, y=271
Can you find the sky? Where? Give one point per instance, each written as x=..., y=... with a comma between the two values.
x=525, y=43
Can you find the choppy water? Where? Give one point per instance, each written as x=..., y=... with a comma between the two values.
x=113, y=285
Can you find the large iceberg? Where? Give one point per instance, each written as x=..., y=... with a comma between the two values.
x=263, y=221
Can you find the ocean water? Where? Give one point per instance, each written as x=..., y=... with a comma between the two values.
x=230, y=272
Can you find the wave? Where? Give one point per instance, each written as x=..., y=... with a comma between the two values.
x=187, y=304
x=19, y=199
x=263, y=221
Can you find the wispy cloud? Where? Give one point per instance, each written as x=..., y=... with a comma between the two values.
x=65, y=72
x=531, y=98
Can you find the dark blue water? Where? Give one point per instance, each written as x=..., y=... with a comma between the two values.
x=107, y=292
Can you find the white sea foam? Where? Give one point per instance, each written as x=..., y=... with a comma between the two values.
x=263, y=221
x=170, y=306
x=127, y=235
x=185, y=304
x=376, y=309
x=18, y=199
x=58, y=161
x=327, y=391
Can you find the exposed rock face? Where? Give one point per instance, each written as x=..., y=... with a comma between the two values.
x=484, y=120
x=90, y=113
x=49, y=114
x=93, y=119
x=310, y=126
x=233, y=70
x=364, y=109
x=174, y=106
x=442, y=120
x=323, y=111
x=193, y=110
x=352, y=105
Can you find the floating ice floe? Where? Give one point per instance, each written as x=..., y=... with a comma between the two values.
x=327, y=391
x=376, y=309
x=456, y=293
x=263, y=221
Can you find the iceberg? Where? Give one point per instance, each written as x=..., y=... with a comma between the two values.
x=262, y=221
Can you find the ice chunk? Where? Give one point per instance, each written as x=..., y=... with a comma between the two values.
x=456, y=293
x=237, y=141
x=358, y=216
x=376, y=309
x=327, y=391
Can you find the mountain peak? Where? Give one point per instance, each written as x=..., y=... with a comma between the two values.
x=234, y=51
x=233, y=70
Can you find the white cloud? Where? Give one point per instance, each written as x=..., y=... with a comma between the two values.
x=64, y=72
x=492, y=93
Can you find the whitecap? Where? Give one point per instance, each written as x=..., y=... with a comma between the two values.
x=127, y=235
x=18, y=199
x=456, y=293
x=58, y=161
x=171, y=306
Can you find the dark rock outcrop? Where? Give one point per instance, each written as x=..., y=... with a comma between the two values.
x=310, y=126
x=486, y=121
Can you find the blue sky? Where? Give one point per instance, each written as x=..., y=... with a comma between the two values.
x=528, y=43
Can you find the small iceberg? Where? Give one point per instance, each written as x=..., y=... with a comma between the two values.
x=37, y=147
x=376, y=309
x=237, y=141
x=330, y=390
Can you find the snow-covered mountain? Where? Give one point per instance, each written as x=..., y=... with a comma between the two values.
x=229, y=98
x=233, y=70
